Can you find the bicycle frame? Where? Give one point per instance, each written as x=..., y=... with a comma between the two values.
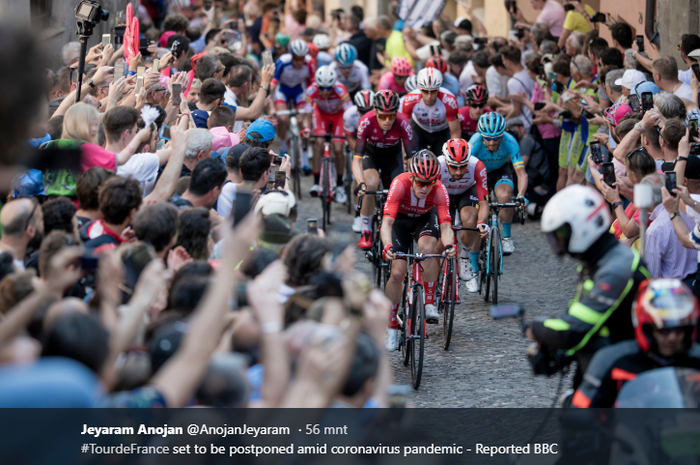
x=494, y=210
x=416, y=277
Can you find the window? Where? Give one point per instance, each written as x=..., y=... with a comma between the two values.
x=40, y=11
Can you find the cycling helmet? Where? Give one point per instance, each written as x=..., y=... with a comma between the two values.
x=281, y=39
x=477, y=94
x=401, y=66
x=664, y=303
x=411, y=83
x=429, y=79
x=438, y=63
x=575, y=218
x=364, y=100
x=325, y=77
x=386, y=100
x=298, y=48
x=346, y=54
x=424, y=165
x=313, y=50
x=456, y=152
x=492, y=124
x=322, y=41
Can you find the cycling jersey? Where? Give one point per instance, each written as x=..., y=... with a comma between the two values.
x=507, y=150
x=288, y=76
x=351, y=119
x=370, y=137
x=387, y=82
x=468, y=125
x=434, y=118
x=451, y=83
x=475, y=175
x=401, y=200
x=357, y=79
x=336, y=102
x=324, y=58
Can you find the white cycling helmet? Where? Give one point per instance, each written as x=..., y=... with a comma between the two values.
x=429, y=79
x=575, y=218
x=411, y=83
x=322, y=41
x=325, y=77
x=298, y=48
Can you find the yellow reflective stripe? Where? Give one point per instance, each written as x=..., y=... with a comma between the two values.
x=604, y=331
x=556, y=324
x=585, y=314
x=588, y=285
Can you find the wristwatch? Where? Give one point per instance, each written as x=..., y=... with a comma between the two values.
x=673, y=215
x=639, y=127
x=682, y=159
x=617, y=204
x=90, y=83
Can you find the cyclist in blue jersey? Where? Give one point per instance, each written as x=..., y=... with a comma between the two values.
x=500, y=153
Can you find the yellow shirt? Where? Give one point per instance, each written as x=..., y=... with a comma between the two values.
x=575, y=21
x=395, y=48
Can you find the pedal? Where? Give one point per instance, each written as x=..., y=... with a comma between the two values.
x=369, y=256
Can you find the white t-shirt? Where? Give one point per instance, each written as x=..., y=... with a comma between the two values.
x=521, y=82
x=684, y=91
x=230, y=99
x=143, y=167
x=685, y=76
x=693, y=215
x=496, y=83
x=465, y=77
x=226, y=199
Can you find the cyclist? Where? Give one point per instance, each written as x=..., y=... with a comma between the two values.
x=666, y=314
x=464, y=177
x=476, y=98
x=364, y=101
x=396, y=78
x=576, y=222
x=323, y=42
x=411, y=85
x=281, y=45
x=498, y=150
x=352, y=73
x=293, y=72
x=327, y=99
x=433, y=111
x=450, y=82
x=378, y=147
x=417, y=207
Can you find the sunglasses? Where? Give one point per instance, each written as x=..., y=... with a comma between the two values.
x=665, y=332
x=386, y=116
x=424, y=183
x=492, y=139
x=474, y=105
x=428, y=92
x=325, y=89
x=346, y=67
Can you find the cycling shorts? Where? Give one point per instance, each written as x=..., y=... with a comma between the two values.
x=468, y=198
x=432, y=141
x=389, y=164
x=406, y=229
x=284, y=95
x=503, y=175
x=322, y=120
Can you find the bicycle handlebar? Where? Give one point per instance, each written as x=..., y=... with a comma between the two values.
x=362, y=194
x=291, y=112
x=419, y=256
x=463, y=228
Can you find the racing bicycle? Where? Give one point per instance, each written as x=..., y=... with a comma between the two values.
x=294, y=148
x=374, y=255
x=327, y=180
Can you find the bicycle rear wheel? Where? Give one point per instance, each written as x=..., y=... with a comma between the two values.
x=495, y=262
x=486, y=276
x=447, y=302
x=417, y=336
x=376, y=253
x=349, y=179
x=296, y=162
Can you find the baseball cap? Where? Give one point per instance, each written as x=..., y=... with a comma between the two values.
x=28, y=184
x=695, y=54
x=630, y=79
x=692, y=168
x=223, y=138
x=262, y=127
x=275, y=203
x=646, y=86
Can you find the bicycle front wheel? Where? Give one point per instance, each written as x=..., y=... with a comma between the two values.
x=349, y=181
x=376, y=253
x=406, y=312
x=417, y=336
x=496, y=251
x=447, y=302
x=296, y=162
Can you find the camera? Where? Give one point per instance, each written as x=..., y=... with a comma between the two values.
x=569, y=7
x=598, y=18
x=91, y=11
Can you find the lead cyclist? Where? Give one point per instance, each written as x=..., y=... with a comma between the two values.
x=500, y=153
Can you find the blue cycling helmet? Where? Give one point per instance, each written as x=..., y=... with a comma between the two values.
x=346, y=54
x=492, y=124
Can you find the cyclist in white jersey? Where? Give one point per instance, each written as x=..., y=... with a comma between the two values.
x=364, y=102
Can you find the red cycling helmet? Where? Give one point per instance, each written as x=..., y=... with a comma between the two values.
x=664, y=303
x=400, y=66
x=456, y=152
x=437, y=62
x=386, y=100
x=425, y=166
x=477, y=94
x=313, y=50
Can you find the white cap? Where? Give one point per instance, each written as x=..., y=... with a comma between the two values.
x=630, y=79
x=695, y=53
x=275, y=203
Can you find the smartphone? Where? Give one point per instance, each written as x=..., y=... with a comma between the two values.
x=596, y=153
x=233, y=24
x=270, y=186
x=557, y=86
x=242, y=206
x=177, y=94
x=89, y=263
x=609, y=173
x=640, y=42
x=134, y=263
x=696, y=71
x=106, y=40
x=634, y=103
x=539, y=106
x=143, y=46
x=119, y=34
x=156, y=65
x=566, y=114
x=280, y=179
x=693, y=129
x=598, y=18
x=164, y=132
x=141, y=70
x=506, y=311
x=119, y=69
x=587, y=114
x=139, y=84
x=647, y=101
x=267, y=58
x=312, y=226
x=670, y=181
x=173, y=48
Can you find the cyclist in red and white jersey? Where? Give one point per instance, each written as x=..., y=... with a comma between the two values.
x=396, y=78
x=327, y=100
x=364, y=102
x=475, y=97
x=433, y=111
x=378, y=148
x=465, y=179
x=418, y=207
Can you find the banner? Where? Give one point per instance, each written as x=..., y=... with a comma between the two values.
x=416, y=13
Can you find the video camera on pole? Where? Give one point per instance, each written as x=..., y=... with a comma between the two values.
x=88, y=14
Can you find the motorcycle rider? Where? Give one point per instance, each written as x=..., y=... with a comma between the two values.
x=665, y=328
x=576, y=222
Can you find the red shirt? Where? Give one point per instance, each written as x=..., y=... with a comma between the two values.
x=370, y=135
x=433, y=118
x=468, y=125
x=401, y=199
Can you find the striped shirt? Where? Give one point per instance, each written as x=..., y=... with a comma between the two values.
x=665, y=255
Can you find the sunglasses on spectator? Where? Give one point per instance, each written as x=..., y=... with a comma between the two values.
x=492, y=139
x=476, y=105
x=386, y=116
x=424, y=183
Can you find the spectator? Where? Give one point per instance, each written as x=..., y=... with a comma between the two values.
x=497, y=81
x=206, y=181
x=519, y=81
x=193, y=94
x=87, y=190
x=577, y=20
x=551, y=13
x=359, y=39
x=378, y=31
x=670, y=106
x=70, y=53
x=22, y=226
x=629, y=81
x=122, y=135
x=193, y=234
x=254, y=166
x=612, y=57
x=209, y=67
x=158, y=224
x=210, y=96
x=119, y=199
x=670, y=135
x=456, y=61
x=666, y=77
x=574, y=44
x=240, y=87
x=59, y=214
x=474, y=71
x=622, y=36
x=198, y=148
x=536, y=165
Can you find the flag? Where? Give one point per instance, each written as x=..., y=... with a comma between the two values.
x=416, y=13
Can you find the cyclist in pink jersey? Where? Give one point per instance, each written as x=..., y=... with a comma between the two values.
x=396, y=78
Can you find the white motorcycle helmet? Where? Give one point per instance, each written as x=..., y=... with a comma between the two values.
x=575, y=218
